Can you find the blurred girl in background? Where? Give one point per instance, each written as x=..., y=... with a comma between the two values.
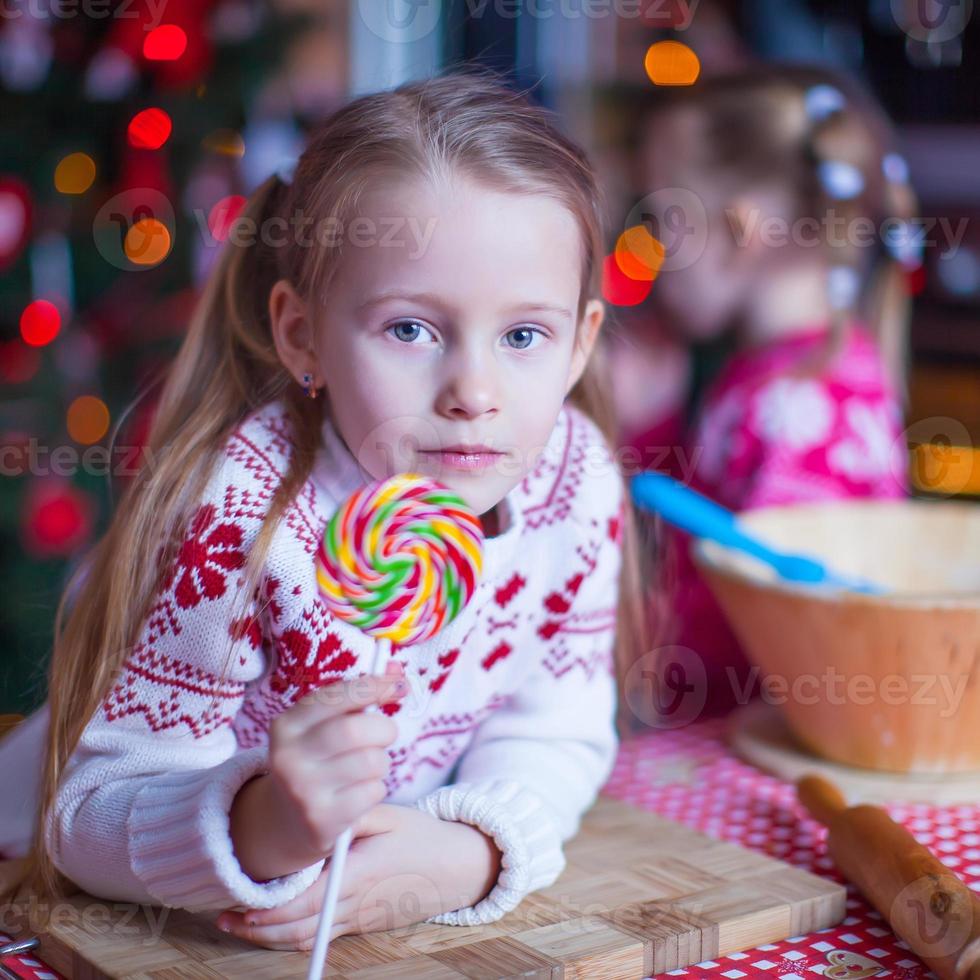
x=802, y=276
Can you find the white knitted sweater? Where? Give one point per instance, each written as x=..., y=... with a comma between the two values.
x=508, y=726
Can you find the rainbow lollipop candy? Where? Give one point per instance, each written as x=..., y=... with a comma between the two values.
x=399, y=560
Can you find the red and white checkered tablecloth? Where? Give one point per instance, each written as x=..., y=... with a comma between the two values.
x=691, y=775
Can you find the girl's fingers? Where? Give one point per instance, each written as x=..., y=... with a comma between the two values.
x=298, y=934
x=303, y=906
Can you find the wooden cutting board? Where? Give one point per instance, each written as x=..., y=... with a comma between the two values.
x=640, y=895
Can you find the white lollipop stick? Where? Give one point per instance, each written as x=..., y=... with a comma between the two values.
x=318, y=958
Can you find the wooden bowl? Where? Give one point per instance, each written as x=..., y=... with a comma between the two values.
x=887, y=682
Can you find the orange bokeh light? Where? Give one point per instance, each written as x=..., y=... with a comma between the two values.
x=147, y=242
x=671, y=63
x=226, y=142
x=88, y=419
x=74, y=174
x=638, y=254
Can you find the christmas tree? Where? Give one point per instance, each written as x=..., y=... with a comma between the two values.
x=132, y=132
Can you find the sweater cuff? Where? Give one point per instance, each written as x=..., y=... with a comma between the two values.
x=520, y=825
x=180, y=843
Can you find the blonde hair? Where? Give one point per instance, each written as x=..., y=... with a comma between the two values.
x=781, y=126
x=227, y=366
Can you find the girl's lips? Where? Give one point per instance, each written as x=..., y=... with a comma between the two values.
x=463, y=460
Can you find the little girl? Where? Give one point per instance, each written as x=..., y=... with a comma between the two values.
x=419, y=296
x=805, y=209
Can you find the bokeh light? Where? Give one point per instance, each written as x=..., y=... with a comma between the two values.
x=88, y=419
x=165, y=43
x=74, y=174
x=223, y=215
x=58, y=518
x=618, y=288
x=149, y=129
x=40, y=322
x=18, y=362
x=638, y=254
x=147, y=242
x=671, y=63
x=226, y=142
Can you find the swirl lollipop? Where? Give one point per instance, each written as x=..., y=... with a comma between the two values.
x=399, y=560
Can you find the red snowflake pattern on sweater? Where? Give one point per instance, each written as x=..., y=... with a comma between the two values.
x=288, y=644
x=506, y=697
x=212, y=548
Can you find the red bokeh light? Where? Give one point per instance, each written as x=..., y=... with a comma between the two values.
x=618, y=288
x=165, y=43
x=40, y=322
x=149, y=129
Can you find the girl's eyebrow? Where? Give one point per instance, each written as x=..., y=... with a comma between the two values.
x=429, y=298
x=433, y=300
x=541, y=308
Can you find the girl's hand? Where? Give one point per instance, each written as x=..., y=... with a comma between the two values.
x=404, y=866
x=327, y=763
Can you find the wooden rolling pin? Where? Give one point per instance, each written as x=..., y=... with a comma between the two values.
x=926, y=905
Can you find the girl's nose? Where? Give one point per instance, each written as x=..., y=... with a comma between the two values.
x=470, y=392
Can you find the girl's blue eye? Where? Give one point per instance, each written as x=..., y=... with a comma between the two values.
x=408, y=331
x=523, y=337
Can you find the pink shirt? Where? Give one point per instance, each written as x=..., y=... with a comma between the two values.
x=771, y=432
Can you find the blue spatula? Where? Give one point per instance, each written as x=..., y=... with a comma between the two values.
x=692, y=512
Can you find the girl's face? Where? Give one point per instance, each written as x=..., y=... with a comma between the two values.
x=448, y=339
x=700, y=291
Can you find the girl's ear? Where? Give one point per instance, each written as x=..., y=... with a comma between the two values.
x=588, y=332
x=291, y=331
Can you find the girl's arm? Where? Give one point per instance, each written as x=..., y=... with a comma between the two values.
x=536, y=764
x=142, y=811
